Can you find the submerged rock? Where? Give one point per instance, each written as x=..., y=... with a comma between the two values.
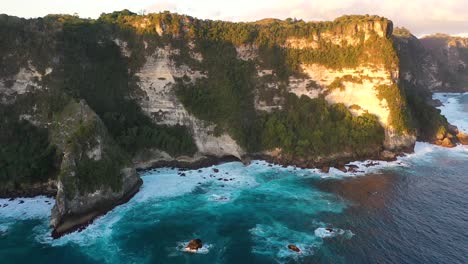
x=294, y=248
x=194, y=245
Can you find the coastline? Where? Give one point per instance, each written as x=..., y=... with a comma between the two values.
x=72, y=223
x=340, y=161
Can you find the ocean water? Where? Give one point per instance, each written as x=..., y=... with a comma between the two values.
x=414, y=210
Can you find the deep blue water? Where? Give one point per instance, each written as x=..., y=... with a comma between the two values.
x=411, y=211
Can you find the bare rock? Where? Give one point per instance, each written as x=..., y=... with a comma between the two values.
x=325, y=169
x=462, y=138
x=453, y=129
x=294, y=248
x=194, y=245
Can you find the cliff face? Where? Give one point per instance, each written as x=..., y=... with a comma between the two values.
x=125, y=91
x=451, y=53
x=437, y=63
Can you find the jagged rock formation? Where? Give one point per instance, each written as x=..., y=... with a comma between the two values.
x=124, y=92
x=437, y=62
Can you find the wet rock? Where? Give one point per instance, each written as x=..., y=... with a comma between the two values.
x=215, y=170
x=182, y=175
x=21, y=202
x=342, y=168
x=462, y=138
x=11, y=199
x=325, y=169
x=329, y=229
x=388, y=155
x=226, y=179
x=371, y=164
x=5, y=205
x=446, y=143
x=453, y=129
x=194, y=245
x=294, y=248
x=352, y=168
x=200, y=171
x=440, y=136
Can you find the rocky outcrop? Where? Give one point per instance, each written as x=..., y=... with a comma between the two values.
x=437, y=63
x=77, y=203
x=159, y=101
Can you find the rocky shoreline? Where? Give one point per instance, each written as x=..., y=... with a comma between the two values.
x=72, y=223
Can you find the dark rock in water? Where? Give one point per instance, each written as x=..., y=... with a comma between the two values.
x=194, y=245
x=5, y=205
x=222, y=186
x=182, y=175
x=226, y=179
x=199, y=170
x=329, y=229
x=269, y=165
x=215, y=170
x=226, y=173
x=325, y=169
x=352, y=168
x=294, y=248
x=342, y=168
x=21, y=202
x=372, y=163
x=11, y=199
x=220, y=179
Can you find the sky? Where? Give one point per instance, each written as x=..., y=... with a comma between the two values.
x=421, y=17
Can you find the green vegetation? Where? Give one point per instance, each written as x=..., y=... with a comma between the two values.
x=225, y=97
x=26, y=156
x=399, y=118
x=23, y=42
x=89, y=65
x=95, y=70
x=311, y=128
x=427, y=119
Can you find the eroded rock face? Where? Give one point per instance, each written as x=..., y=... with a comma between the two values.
x=75, y=206
x=161, y=103
x=26, y=80
x=348, y=34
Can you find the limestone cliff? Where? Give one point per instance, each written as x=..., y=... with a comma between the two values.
x=108, y=96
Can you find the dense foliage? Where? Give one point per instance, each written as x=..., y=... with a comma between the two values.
x=26, y=155
x=95, y=70
x=310, y=128
x=89, y=65
x=427, y=119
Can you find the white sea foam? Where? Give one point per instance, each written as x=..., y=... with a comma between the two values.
x=273, y=240
x=26, y=208
x=323, y=232
x=453, y=110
